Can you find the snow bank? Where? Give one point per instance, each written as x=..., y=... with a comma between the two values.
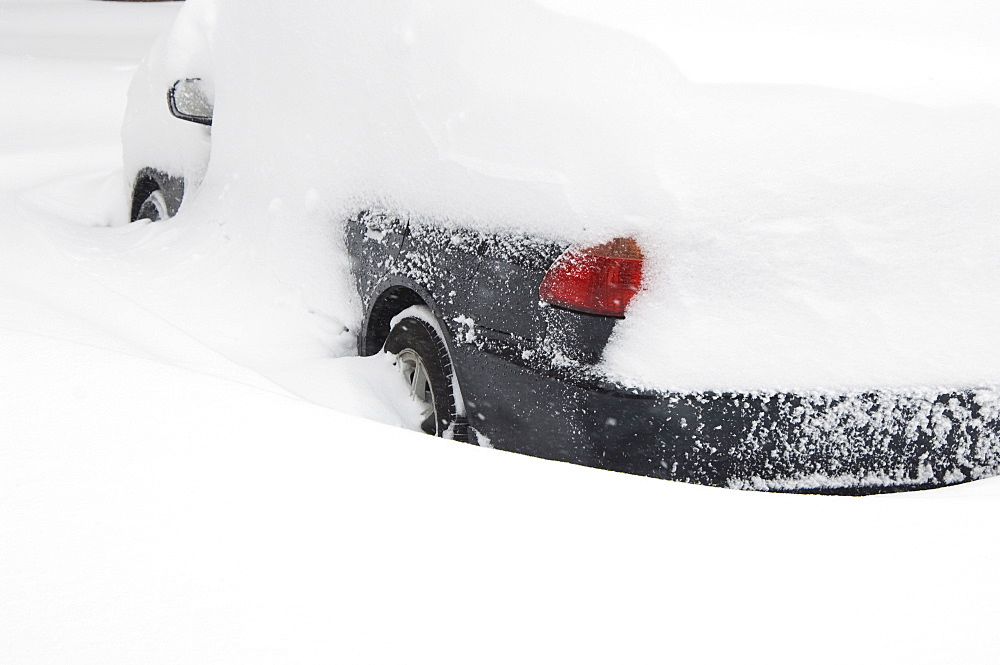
x=168, y=516
x=799, y=238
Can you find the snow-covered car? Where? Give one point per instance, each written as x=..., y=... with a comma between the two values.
x=577, y=254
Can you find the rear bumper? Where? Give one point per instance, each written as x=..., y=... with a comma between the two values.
x=856, y=443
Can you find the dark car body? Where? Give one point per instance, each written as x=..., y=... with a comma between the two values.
x=529, y=383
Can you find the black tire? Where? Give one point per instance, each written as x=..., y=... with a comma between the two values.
x=415, y=342
x=156, y=196
x=153, y=207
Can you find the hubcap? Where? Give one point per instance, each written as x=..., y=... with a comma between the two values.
x=419, y=382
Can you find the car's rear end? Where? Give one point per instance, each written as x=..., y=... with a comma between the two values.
x=529, y=320
x=547, y=400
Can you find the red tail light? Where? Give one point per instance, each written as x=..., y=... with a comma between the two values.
x=597, y=280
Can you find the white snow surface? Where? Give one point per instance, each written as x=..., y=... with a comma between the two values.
x=798, y=237
x=924, y=51
x=167, y=494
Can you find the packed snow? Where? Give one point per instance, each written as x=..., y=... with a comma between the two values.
x=184, y=475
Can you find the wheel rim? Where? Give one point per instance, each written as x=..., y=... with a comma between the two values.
x=417, y=379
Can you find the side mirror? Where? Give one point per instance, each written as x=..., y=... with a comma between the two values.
x=189, y=100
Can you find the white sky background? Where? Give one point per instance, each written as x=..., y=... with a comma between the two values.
x=928, y=51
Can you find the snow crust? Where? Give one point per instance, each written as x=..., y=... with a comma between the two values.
x=798, y=237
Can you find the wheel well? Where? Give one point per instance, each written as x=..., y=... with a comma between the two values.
x=389, y=303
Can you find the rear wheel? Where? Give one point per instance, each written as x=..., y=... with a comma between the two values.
x=423, y=360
